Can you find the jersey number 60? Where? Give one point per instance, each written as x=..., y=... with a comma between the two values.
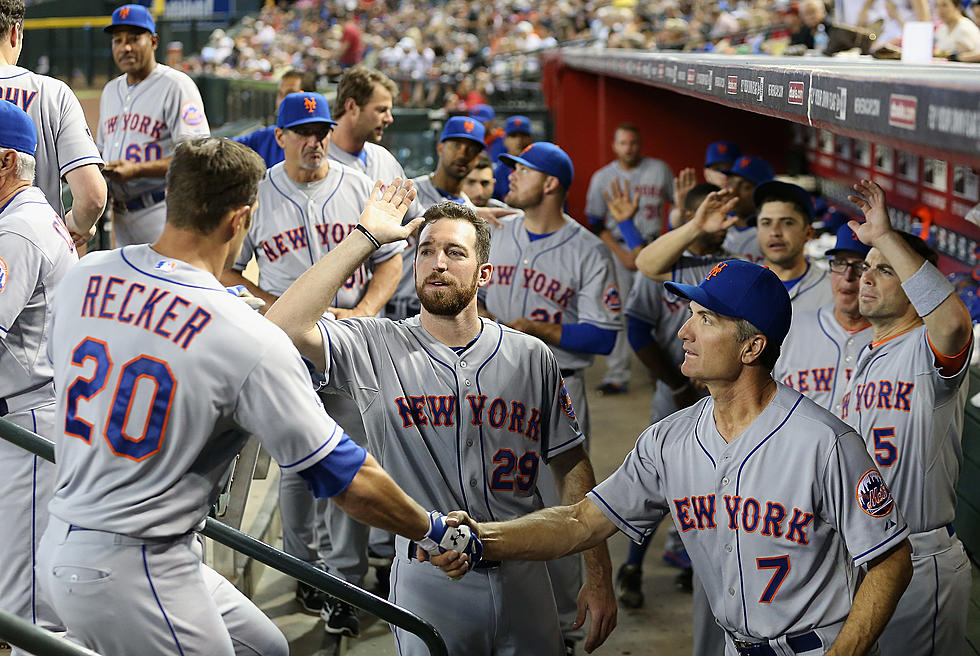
x=155, y=371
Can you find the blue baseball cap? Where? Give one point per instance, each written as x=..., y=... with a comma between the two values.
x=743, y=290
x=464, y=127
x=132, y=16
x=722, y=151
x=848, y=241
x=303, y=107
x=17, y=130
x=517, y=125
x=547, y=158
x=784, y=191
x=752, y=169
x=483, y=113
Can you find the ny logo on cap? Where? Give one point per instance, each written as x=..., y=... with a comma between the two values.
x=527, y=148
x=744, y=161
x=468, y=126
x=518, y=121
x=716, y=270
x=124, y=13
x=722, y=148
x=310, y=104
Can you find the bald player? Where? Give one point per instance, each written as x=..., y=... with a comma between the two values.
x=823, y=344
x=784, y=217
x=263, y=141
x=36, y=252
x=307, y=205
x=65, y=149
x=778, y=526
x=462, y=411
x=459, y=144
x=143, y=439
x=652, y=181
x=143, y=115
x=906, y=398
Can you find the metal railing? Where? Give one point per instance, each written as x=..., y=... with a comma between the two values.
x=262, y=552
x=36, y=640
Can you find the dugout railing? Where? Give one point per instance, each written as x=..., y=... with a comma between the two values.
x=36, y=640
x=261, y=552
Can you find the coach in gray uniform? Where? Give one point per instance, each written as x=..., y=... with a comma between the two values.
x=777, y=525
x=823, y=345
x=65, y=147
x=785, y=213
x=461, y=411
x=35, y=253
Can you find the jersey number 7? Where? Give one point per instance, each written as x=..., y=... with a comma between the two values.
x=154, y=371
x=781, y=565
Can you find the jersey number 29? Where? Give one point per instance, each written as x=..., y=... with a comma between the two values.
x=155, y=372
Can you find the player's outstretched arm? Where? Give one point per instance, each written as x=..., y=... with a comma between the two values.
x=234, y=277
x=374, y=498
x=574, y=477
x=658, y=258
x=302, y=305
x=875, y=601
x=384, y=281
x=88, y=193
x=947, y=319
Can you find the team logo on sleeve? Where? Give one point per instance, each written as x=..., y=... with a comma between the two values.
x=3, y=282
x=566, y=401
x=191, y=114
x=611, y=298
x=873, y=495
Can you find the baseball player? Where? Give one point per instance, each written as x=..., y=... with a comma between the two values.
x=719, y=157
x=517, y=137
x=823, y=345
x=35, y=253
x=478, y=184
x=459, y=144
x=143, y=115
x=65, y=146
x=143, y=439
x=494, y=135
x=462, y=411
x=263, y=141
x=785, y=213
x=552, y=278
x=652, y=182
x=906, y=397
x=742, y=178
x=307, y=205
x=777, y=525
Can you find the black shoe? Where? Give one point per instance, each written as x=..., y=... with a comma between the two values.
x=685, y=580
x=569, y=647
x=340, y=618
x=610, y=389
x=310, y=598
x=629, y=585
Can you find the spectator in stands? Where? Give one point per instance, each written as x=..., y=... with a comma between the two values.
x=813, y=14
x=956, y=33
x=263, y=141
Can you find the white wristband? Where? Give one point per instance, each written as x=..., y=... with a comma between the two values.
x=927, y=288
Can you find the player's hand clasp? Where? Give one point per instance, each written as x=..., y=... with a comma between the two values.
x=442, y=538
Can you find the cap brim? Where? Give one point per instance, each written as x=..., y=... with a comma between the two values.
x=512, y=162
x=109, y=29
x=699, y=296
x=465, y=137
x=304, y=121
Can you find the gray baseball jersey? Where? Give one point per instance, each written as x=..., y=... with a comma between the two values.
x=138, y=453
x=461, y=428
x=64, y=141
x=776, y=526
x=296, y=224
x=911, y=417
x=653, y=182
x=404, y=302
x=36, y=252
x=567, y=277
x=818, y=356
x=745, y=241
x=145, y=122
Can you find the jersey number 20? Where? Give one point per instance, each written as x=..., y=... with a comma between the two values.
x=154, y=371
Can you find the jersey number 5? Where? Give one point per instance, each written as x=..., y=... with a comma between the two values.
x=781, y=565
x=885, y=451
x=154, y=372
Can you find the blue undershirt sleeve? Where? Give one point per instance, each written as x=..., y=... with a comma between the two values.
x=639, y=333
x=630, y=234
x=331, y=475
x=587, y=338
